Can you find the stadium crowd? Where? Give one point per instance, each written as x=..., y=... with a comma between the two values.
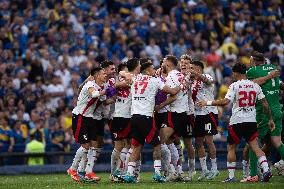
x=48, y=47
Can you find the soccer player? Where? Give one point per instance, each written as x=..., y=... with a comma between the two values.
x=143, y=129
x=161, y=109
x=185, y=64
x=243, y=94
x=83, y=126
x=266, y=76
x=176, y=119
x=120, y=125
x=206, y=120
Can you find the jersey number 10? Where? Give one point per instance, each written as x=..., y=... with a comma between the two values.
x=247, y=98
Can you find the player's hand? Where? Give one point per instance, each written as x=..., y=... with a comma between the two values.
x=157, y=108
x=271, y=125
x=158, y=72
x=103, y=92
x=274, y=73
x=201, y=103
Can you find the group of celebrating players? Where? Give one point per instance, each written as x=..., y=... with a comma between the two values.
x=161, y=107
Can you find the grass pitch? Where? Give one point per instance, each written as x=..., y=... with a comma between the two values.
x=62, y=181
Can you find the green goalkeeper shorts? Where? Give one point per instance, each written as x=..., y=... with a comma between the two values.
x=262, y=123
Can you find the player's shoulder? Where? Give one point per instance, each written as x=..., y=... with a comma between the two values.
x=89, y=83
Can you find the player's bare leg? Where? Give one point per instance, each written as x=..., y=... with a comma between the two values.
x=191, y=157
x=202, y=157
x=261, y=160
x=231, y=163
x=212, y=154
x=165, y=134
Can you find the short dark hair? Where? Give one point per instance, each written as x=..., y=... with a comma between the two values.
x=106, y=63
x=95, y=70
x=121, y=66
x=172, y=59
x=145, y=66
x=258, y=56
x=239, y=68
x=132, y=64
x=198, y=63
x=145, y=60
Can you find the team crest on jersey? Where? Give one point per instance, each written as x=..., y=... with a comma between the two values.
x=115, y=135
x=164, y=125
x=85, y=137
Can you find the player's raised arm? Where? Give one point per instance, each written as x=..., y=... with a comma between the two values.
x=264, y=79
x=222, y=102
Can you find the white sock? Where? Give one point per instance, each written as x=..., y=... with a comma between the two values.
x=213, y=164
x=245, y=168
x=231, y=168
x=138, y=167
x=78, y=156
x=203, y=164
x=191, y=165
x=114, y=160
x=131, y=168
x=165, y=157
x=83, y=162
x=157, y=166
x=127, y=159
x=263, y=163
x=180, y=152
x=123, y=155
x=92, y=157
x=174, y=154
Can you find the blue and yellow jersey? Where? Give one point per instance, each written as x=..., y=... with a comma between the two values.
x=5, y=134
x=199, y=13
x=58, y=136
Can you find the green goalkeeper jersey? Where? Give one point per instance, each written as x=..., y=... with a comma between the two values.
x=270, y=88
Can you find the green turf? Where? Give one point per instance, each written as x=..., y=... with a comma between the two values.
x=62, y=181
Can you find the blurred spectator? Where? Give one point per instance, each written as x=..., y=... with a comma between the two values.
x=6, y=136
x=18, y=133
x=280, y=48
x=35, y=146
x=154, y=52
x=57, y=137
x=54, y=91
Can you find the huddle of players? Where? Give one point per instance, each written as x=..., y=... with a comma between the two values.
x=159, y=107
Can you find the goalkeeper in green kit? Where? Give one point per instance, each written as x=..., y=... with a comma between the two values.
x=267, y=76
